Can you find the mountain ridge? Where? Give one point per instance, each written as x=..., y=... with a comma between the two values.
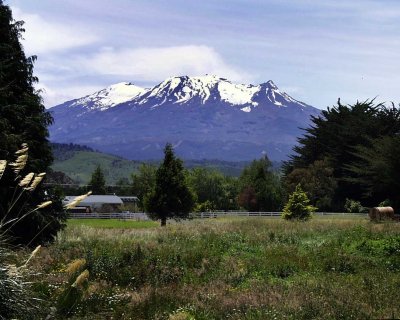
x=204, y=117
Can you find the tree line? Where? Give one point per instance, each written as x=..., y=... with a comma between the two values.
x=257, y=189
x=348, y=156
x=349, y=153
x=348, y=159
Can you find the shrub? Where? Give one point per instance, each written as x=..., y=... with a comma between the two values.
x=204, y=206
x=298, y=206
x=353, y=206
x=385, y=203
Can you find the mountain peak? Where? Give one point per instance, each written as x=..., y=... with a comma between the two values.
x=189, y=90
x=270, y=84
x=111, y=96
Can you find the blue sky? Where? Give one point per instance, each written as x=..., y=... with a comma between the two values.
x=316, y=51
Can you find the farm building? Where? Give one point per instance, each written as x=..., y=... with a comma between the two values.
x=98, y=203
x=130, y=202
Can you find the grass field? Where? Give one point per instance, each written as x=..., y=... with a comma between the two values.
x=112, y=223
x=240, y=268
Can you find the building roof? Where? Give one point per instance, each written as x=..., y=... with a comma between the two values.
x=95, y=199
x=129, y=198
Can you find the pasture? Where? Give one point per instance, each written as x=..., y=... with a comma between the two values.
x=229, y=268
x=111, y=223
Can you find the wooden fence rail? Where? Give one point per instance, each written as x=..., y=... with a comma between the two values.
x=200, y=215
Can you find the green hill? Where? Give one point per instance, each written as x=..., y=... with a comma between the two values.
x=80, y=165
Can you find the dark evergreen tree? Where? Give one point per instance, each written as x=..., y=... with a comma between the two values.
x=97, y=182
x=336, y=137
x=171, y=197
x=23, y=119
x=378, y=171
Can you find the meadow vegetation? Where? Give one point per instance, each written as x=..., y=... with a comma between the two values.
x=231, y=268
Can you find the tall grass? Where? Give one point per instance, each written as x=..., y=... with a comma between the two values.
x=230, y=269
x=16, y=297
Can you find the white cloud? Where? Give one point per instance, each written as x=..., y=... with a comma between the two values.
x=43, y=36
x=53, y=96
x=156, y=64
x=141, y=65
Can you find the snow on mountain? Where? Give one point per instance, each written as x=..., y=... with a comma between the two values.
x=204, y=117
x=110, y=96
x=184, y=90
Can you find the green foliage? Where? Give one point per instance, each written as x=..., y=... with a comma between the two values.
x=171, y=197
x=353, y=206
x=260, y=188
x=206, y=206
x=298, y=206
x=378, y=170
x=144, y=181
x=317, y=181
x=97, y=183
x=213, y=188
x=339, y=135
x=78, y=162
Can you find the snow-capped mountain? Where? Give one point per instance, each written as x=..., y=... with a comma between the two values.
x=205, y=117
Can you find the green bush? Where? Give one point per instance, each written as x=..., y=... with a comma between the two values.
x=353, y=206
x=298, y=206
x=204, y=206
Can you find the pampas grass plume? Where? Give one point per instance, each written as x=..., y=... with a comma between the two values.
x=75, y=265
x=3, y=164
x=26, y=180
x=81, y=279
x=36, y=181
x=77, y=200
x=33, y=254
x=44, y=204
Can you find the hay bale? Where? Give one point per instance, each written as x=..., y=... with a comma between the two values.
x=381, y=213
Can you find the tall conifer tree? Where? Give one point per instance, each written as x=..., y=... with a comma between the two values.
x=98, y=182
x=23, y=119
x=171, y=197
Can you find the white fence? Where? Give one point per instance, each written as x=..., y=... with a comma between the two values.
x=217, y=214
x=200, y=215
